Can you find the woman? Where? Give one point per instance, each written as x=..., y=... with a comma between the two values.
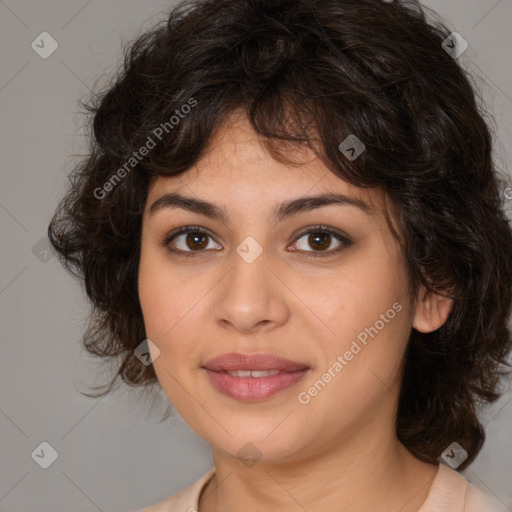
x=290, y=220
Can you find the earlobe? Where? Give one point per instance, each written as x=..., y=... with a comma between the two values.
x=432, y=311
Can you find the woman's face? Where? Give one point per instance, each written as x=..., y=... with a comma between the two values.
x=267, y=280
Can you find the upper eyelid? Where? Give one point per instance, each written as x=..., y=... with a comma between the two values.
x=316, y=228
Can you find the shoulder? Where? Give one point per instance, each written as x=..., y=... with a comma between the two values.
x=185, y=500
x=451, y=492
x=479, y=501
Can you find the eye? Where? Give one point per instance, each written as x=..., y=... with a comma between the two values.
x=321, y=238
x=188, y=241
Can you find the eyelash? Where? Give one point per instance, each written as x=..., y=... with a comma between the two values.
x=314, y=229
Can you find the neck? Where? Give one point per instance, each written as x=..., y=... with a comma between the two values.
x=370, y=471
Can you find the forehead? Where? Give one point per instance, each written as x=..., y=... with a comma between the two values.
x=236, y=164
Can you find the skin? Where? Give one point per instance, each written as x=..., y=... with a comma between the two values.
x=339, y=451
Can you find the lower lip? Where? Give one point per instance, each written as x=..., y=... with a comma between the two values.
x=253, y=388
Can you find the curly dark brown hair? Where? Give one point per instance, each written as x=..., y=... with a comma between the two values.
x=311, y=72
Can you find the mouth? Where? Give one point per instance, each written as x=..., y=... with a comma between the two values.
x=252, y=362
x=252, y=373
x=253, y=377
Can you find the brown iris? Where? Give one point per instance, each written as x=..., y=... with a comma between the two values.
x=319, y=240
x=193, y=238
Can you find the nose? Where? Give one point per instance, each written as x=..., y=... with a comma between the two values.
x=251, y=297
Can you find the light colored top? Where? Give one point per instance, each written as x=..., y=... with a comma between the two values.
x=449, y=492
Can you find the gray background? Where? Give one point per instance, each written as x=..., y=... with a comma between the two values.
x=113, y=455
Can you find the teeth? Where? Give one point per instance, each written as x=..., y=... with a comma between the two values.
x=252, y=373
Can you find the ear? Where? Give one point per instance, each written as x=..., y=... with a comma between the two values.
x=432, y=310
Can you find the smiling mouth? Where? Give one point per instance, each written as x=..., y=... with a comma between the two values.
x=253, y=385
x=252, y=373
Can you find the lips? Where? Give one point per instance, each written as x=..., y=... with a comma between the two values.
x=235, y=361
x=253, y=377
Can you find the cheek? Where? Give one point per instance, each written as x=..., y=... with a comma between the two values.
x=164, y=296
x=357, y=298
x=165, y=313
x=157, y=305
x=173, y=317
x=360, y=377
x=367, y=311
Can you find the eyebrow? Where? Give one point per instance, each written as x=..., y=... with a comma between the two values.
x=280, y=212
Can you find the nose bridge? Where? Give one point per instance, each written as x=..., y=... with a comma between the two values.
x=250, y=294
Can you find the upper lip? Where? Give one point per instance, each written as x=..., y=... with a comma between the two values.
x=236, y=361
